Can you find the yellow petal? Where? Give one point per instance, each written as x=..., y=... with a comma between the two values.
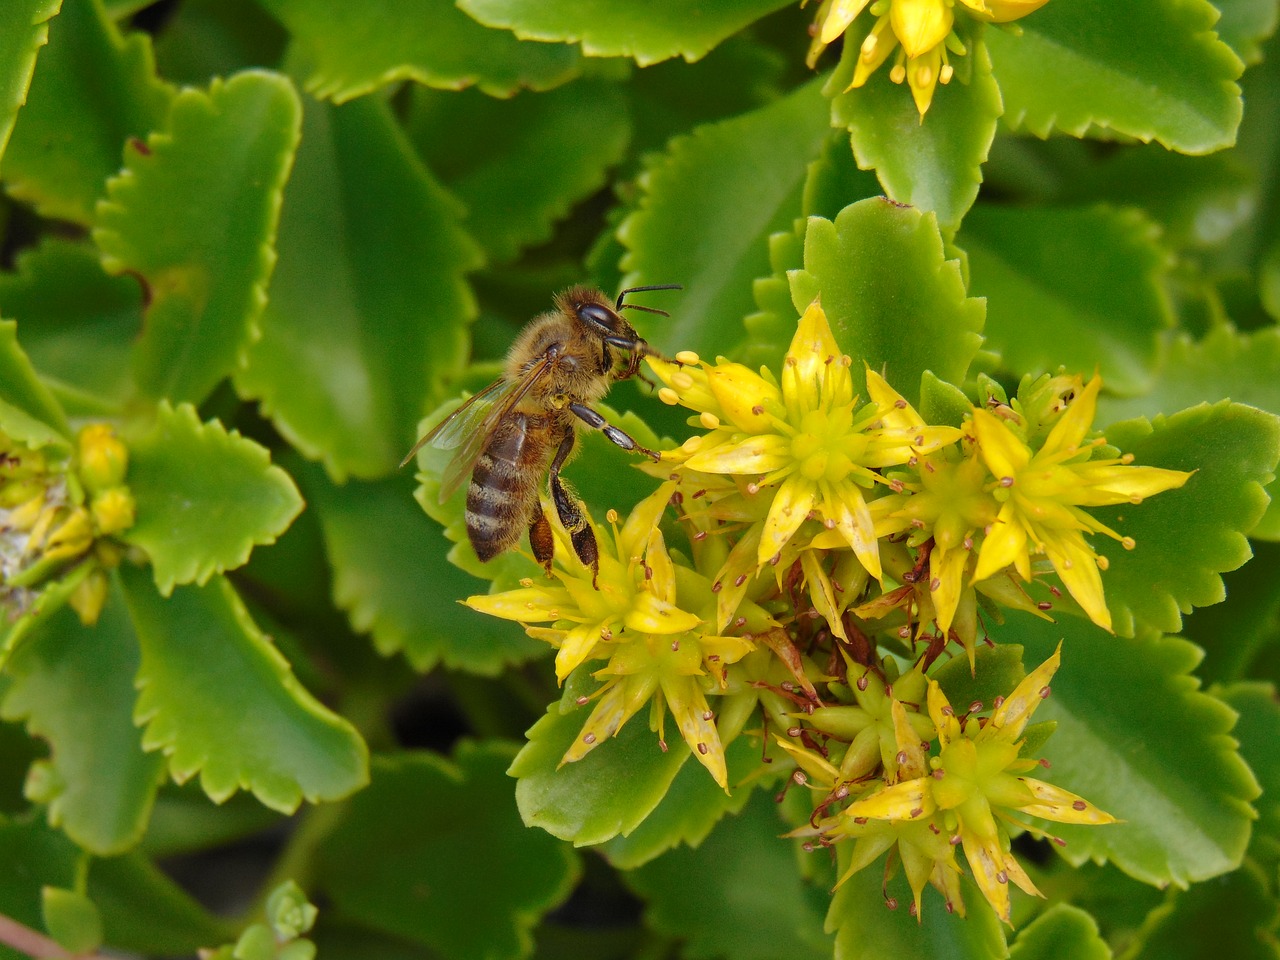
x=616, y=706
x=741, y=392
x=875, y=50
x=697, y=726
x=987, y=861
x=822, y=593
x=819, y=769
x=752, y=455
x=1003, y=11
x=1116, y=483
x=923, y=73
x=911, y=749
x=1004, y=543
x=946, y=582
x=1076, y=421
x=643, y=519
x=648, y=614
x=1010, y=718
x=576, y=647
x=659, y=570
x=839, y=16
x=921, y=25
x=528, y=604
x=1062, y=805
x=1074, y=562
x=790, y=507
x=688, y=381
x=813, y=350
x=848, y=510
x=908, y=800
x=1004, y=454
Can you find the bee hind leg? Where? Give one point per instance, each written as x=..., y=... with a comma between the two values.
x=616, y=436
x=573, y=515
x=541, y=540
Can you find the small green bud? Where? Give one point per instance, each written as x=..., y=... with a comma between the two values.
x=256, y=943
x=103, y=458
x=289, y=912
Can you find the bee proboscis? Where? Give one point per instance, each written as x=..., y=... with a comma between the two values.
x=524, y=424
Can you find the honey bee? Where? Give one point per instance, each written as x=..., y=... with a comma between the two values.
x=524, y=424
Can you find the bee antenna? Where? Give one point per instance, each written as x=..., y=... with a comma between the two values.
x=657, y=286
x=636, y=306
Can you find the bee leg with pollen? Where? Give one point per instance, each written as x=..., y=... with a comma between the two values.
x=573, y=515
x=541, y=539
x=593, y=419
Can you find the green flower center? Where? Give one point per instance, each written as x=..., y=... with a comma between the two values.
x=826, y=447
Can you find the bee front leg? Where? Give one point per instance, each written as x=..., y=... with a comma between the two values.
x=593, y=419
x=573, y=515
x=541, y=540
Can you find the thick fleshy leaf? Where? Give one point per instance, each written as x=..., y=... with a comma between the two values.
x=353, y=49
x=608, y=792
x=705, y=214
x=72, y=919
x=205, y=497
x=866, y=930
x=714, y=898
x=644, y=30
x=392, y=575
x=1063, y=932
x=24, y=29
x=555, y=149
x=1236, y=915
x=934, y=163
x=73, y=686
x=368, y=310
x=77, y=322
x=34, y=856
x=771, y=328
x=834, y=181
x=1073, y=287
x=200, y=234
x=1137, y=738
x=693, y=805
x=1245, y=24
x=1225, y=363
x=65, y=144
x=145, y=911
x=900, y=321
x=25, y=396
x=1153, y=70
x=1258, y=731
x=442, y=819
x=219, y=700
x=1187, y=537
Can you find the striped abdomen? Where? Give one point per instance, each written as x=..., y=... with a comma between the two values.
x=504, y=484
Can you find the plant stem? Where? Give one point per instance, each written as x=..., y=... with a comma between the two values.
x=35, y=944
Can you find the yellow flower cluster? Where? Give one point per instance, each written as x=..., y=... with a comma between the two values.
x=55, y=512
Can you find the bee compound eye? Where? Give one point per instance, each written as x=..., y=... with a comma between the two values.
x=597, y=316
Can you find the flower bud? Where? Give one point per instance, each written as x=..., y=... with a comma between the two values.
x=104, y=459
x=113, y=510
x=89, y=597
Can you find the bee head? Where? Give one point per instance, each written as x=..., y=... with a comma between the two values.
x=593, y=311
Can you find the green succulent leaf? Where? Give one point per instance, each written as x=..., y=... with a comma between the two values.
x=1063, y=932
x=72, y=918
x=608, y=792
x=1076, y=67
x=77, y=323
x=145, y=911
x=384, y=551
x=35, y=856
x=368, y=310
x=1081, y=288
x=935, y=162
x=707, y=208
x=900, y=321
x=996, y=671
x=67, y=144
x=1236, y=914
x=714, y=900
x=1226, y=363
x=865, y=930
x=692, y=807
x=1258, y=731
x=24, y=29
x=771, y=328
x=73, y=686
x=442, y=818
x=1136, y=737
x=200, y=234
x=219, y=700
x=834, y=180
x=31, y=412
x=555, y=149
x=644, y=30
x=1186, y=538
x=205, y=497
x=354, y=49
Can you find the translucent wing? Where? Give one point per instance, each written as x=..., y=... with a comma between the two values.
x=473, y=424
